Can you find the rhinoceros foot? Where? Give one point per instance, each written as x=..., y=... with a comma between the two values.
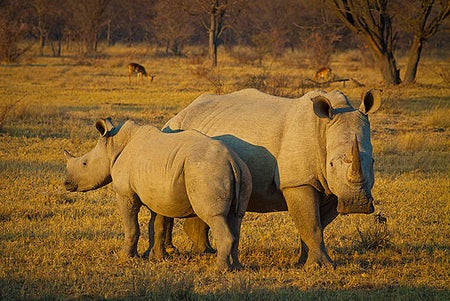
x=313, y=260
x=197, y=230
x=236, y=266
x=171, y=249
x=155, y=254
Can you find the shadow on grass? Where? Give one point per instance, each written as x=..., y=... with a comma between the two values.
x=286, y=293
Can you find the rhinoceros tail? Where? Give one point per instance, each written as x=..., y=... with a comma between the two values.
x=242, y=187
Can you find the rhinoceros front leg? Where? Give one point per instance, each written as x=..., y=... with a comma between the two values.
x=328, y=213
x=128, y=209
x=328, y=210
x=304, y=207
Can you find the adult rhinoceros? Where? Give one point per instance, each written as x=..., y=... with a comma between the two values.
x=174, y=175
x=311, y=156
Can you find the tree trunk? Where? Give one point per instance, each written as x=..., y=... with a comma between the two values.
x=413, y=60
x=213, y=36
x=41, y=43
x=388, y=67
x=108, y=33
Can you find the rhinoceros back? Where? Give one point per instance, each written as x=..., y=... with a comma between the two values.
x=273, y=136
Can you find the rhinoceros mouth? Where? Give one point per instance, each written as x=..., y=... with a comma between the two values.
x=355, y=206
x=70, y=186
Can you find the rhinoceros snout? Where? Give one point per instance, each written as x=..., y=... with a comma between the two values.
x=364, y=205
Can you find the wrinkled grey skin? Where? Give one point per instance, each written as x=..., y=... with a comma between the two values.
x=311, y=156
x=174, y=175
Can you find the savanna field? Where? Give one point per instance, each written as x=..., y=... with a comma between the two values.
x=60, y=245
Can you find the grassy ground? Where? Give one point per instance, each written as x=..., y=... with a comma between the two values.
x=60, y=245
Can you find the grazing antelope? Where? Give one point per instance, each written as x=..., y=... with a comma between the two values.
x=324, y=74
x=139, y=70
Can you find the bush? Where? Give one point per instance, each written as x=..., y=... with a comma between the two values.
x=11, y=34
x=374, y=236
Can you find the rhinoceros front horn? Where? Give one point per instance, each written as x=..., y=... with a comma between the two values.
x=355, y=174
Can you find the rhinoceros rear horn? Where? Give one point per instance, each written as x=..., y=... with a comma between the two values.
x=371, y=101
x=103, y=126
x=355, y=174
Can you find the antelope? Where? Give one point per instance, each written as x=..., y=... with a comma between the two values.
x=324, y=74
x=139, y=70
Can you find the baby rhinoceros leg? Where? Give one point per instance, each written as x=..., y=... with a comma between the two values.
x=235, y=220
x=197, y=231
x=212, y=202
x=224, y=242
x=129, y=207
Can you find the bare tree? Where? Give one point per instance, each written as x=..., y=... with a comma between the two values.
x=50, y=21
x=272, y=25
x=89, y=17
x=373, y=20
x=213, y=15
x=130, y=21
x=174, y=27
x=426, y=17
x=13, y=28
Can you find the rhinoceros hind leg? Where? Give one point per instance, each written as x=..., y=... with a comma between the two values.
x=168, y=244
x=303, y=205
x=224, y=241
x=234, y=222
x=197, y=231
x=157, y=230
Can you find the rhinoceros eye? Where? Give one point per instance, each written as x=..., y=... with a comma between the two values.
x=84, y=162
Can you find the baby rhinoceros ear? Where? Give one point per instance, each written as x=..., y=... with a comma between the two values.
x=103, y=126
x=68, y=155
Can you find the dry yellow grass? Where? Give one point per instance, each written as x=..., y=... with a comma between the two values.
x=60, y=245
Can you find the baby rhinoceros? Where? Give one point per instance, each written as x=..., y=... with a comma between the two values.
x=173, y=174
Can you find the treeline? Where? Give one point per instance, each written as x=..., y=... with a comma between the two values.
x=268, y=27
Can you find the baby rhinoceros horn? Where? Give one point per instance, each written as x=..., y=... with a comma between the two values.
x=355, y=174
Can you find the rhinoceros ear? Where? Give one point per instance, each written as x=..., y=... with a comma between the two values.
x=371, y=101
x=68, y=155
x=103, y=126
x=322, y=107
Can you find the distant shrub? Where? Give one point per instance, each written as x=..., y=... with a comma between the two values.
x=244, y=56
x=212, y=75
x=274, y=84
x=319, y=47
x=11, y=37
x=6, y=110
x=444, y=73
